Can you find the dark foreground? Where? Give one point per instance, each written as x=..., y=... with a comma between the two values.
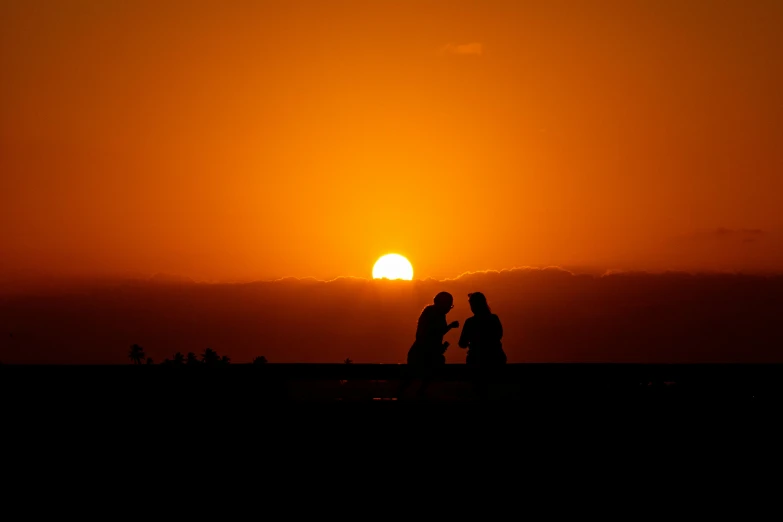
x=531, y=384
x=282, y=410
x=323, y=419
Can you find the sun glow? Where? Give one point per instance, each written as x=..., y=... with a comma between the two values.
x=392, y=266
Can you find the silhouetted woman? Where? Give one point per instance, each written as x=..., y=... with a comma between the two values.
x=481, y=335
x=426, y=354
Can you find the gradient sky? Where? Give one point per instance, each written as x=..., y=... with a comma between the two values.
x=255, y=140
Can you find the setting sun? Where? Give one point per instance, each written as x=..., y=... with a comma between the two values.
x=392, y=266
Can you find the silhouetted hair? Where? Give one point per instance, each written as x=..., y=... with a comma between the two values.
x=478, y=302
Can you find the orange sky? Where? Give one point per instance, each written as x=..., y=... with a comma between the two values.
x=225, y=140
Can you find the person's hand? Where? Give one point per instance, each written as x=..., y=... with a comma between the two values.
x=445, y=346
x=455, y=324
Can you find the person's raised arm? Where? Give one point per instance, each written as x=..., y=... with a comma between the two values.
x=446, y=327
x=432, y=326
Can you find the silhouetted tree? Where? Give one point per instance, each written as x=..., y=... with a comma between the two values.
x=192, y=359
x=225, y=359
x=209, y=356
x=150, y=361
x=260, y=360
x=136, y=354
x=179, y=359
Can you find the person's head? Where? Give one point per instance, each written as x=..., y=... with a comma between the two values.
x=444, y=302
x=478, y=303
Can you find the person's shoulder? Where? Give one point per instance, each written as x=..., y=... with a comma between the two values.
x=428, y=310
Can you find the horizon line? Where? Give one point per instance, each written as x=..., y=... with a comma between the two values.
x=173, y=278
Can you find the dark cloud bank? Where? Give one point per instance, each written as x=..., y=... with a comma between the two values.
x=549, y=315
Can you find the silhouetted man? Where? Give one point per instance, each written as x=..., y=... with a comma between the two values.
x=426, y=354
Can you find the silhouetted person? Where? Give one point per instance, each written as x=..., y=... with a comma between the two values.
x=481, y=335
x=426, y=354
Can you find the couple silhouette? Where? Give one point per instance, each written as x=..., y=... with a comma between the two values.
x=481, y=336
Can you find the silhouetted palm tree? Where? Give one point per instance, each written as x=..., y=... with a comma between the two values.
x=150, y=361
x=260, y=360
x=179, y=359
x=348, y=361
x=209, y=356
x=136, y=354
x=192, y=359
x=225, y=359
